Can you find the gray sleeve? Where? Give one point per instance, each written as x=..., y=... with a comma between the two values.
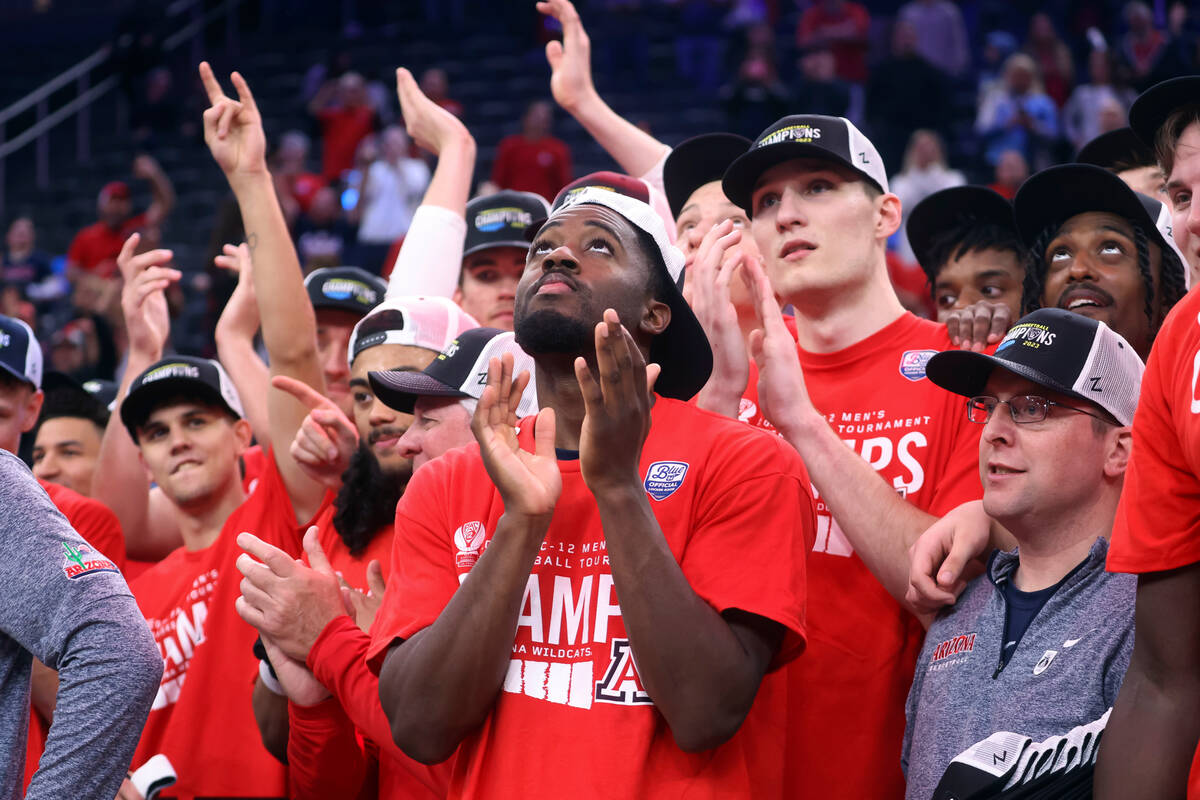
x=108, y=674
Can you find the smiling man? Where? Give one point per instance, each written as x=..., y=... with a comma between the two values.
x=501, y=615
x=1040, y=643
x=1098, y=250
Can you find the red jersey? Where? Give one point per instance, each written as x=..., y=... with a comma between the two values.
x=736, y=513
x=1158, y=521
x=851, y=22
x=341, y=131
x=96, y=247
x=541, y=166
x=846, y=696
x=206, y=726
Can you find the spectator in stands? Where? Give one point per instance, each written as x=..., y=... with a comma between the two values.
x=322, y=234
x=756, y=96
x=699, y=47
x=905, y=93
x=156, y=113
x=26, y=268
x=1011, y=171
x=1052, y=56
x=94, y=249
x=997, y=47
x=1179, y=55
x=345, y=115
x=925, y=172
x=1021, y=117
x=436, y=86
x=294, y=183
x=843, y=26
x=1081, y=117
x=391, y=192
x=1142, y=46
x=533, y=160
x=941, y=34
x=818, y=85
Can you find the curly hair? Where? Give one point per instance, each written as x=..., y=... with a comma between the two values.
x=366, y=502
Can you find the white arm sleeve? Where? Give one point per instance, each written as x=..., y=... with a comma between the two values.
x=431, y=256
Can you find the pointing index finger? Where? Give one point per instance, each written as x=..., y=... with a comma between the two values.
x=301, y=391
x=211, y=87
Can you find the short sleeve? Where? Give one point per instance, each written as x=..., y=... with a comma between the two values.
x=423, y=576
x=752, y=532
x=76, y=253
x=958, y=481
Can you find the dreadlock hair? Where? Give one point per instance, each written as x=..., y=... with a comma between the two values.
x=967, y=234
x=1170, y=281
x=366, y=501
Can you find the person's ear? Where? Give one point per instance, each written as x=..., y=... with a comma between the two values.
x=1119, y=447
x=244, y=434
x=33, y=409
x=458, y=295
x=889, y=216
x=656, y=318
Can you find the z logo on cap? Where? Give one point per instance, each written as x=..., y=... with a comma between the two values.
x=664, y=477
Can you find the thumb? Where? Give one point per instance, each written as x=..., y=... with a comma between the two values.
x=543, y=433
x=348, y=602
x=316, y=556
x=554, y=54
x=756, y=348
x=376, y=585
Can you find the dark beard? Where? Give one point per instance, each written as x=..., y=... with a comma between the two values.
x=367, y=500
x=549, y=331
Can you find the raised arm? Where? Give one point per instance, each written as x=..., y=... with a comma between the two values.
x=119, y=480
x=571, y=84
x=146, y=168
x=234, y=335
x=431, y=256
x=234, y=134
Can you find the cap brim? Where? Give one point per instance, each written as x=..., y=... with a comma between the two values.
x=698, y=161
x=1152, y=107
x=137, y=405
x=399, y=389
x=19, y=376
x=1056, y=194
x=54, y=380
x=743, y=174
x=1121, y=146
x=966, y=373
x=682, y=351
x=936, y=212
x=520, y=244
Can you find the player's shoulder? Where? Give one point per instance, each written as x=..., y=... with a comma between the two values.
x=686, y=426
x=75, y=506
x=1182, y=323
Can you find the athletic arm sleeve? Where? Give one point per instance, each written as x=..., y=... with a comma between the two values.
x=431, y=256
x=325, y=757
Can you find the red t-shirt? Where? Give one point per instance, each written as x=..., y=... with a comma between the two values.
x=736, y=513
x=850, y=58
x=341, y=131
x=205, y=725
x=846, y=696
x=1158, y=521
x=96, y=247
x=541, y=166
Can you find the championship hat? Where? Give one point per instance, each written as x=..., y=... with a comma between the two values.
x=803, y=136
x=699, y=160
x=954, y=206
x=345, y=289
x=636, y=188
x=502, y=220
x=1055, y=348
x=1152, y=107
x=460, y=371
x=682, y=350
x=429, y=322
x=178, y=376
x=20, y=353
x=1121, y=147
x=1054, y=195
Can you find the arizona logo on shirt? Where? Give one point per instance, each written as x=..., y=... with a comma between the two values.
x=82, y=559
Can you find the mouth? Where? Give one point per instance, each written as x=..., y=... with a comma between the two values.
x=184, y=466
x=555, y=283
x=385, y=440
x=796, y=249
x=1084, y=298
x=1000, y=470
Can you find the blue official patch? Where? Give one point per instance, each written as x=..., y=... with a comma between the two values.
x=912, y=363
x=664, y=477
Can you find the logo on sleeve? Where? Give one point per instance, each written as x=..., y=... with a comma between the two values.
x=82, y=559
x=664, y=477
x=469, y=539
x=912, y=363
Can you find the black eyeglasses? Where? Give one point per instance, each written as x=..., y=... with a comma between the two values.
x=1023, y=409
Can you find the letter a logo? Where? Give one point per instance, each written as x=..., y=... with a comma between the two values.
x=621, y=684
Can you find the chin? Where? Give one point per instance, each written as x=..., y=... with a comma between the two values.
x=396, y=466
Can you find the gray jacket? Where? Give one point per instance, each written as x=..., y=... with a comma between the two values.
x=67, y=604
x=1066, y=671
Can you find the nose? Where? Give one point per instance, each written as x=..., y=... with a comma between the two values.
x=335, y=367
x=560, y=257
x=1193, y=220
x=1000, y=428
x=381, y=414
x=179, y=439
x=47, y=468
x=1082, y=268
x=410, y=443
x=790, y=211
x=693, y=237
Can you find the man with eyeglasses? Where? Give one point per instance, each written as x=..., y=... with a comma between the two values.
x=1039, y=643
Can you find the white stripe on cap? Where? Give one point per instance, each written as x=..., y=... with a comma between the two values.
x=33, y=355
x=1166, y=228
x=1111, y=376
x=638, y=214
x=498, y=345
x=864, y=156
x=429, y=322
x=229, y=392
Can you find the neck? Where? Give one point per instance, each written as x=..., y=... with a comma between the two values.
x=200, y=523
x=16, y=254
x=832, y=320
x=1051, y=547
x=558, y=388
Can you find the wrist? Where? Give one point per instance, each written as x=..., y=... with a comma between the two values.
x=250, y=180
x=801, y=425
x=618, y=493
x=588, y=103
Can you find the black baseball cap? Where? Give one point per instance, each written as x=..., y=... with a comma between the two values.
x=502, y=219
x=1152, y=107
x=99, y=391
x=460, y=371
x=1060, y=350
x=201, y=378
x=1054, y=195
x=954, y=206
x=699, y=160
x=345, y=289
x=1121, y=146
x=20, y=353
x=803, y=136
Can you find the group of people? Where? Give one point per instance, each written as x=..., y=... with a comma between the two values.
x=657, y=475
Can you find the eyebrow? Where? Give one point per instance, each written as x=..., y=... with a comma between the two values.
x=604, y=227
